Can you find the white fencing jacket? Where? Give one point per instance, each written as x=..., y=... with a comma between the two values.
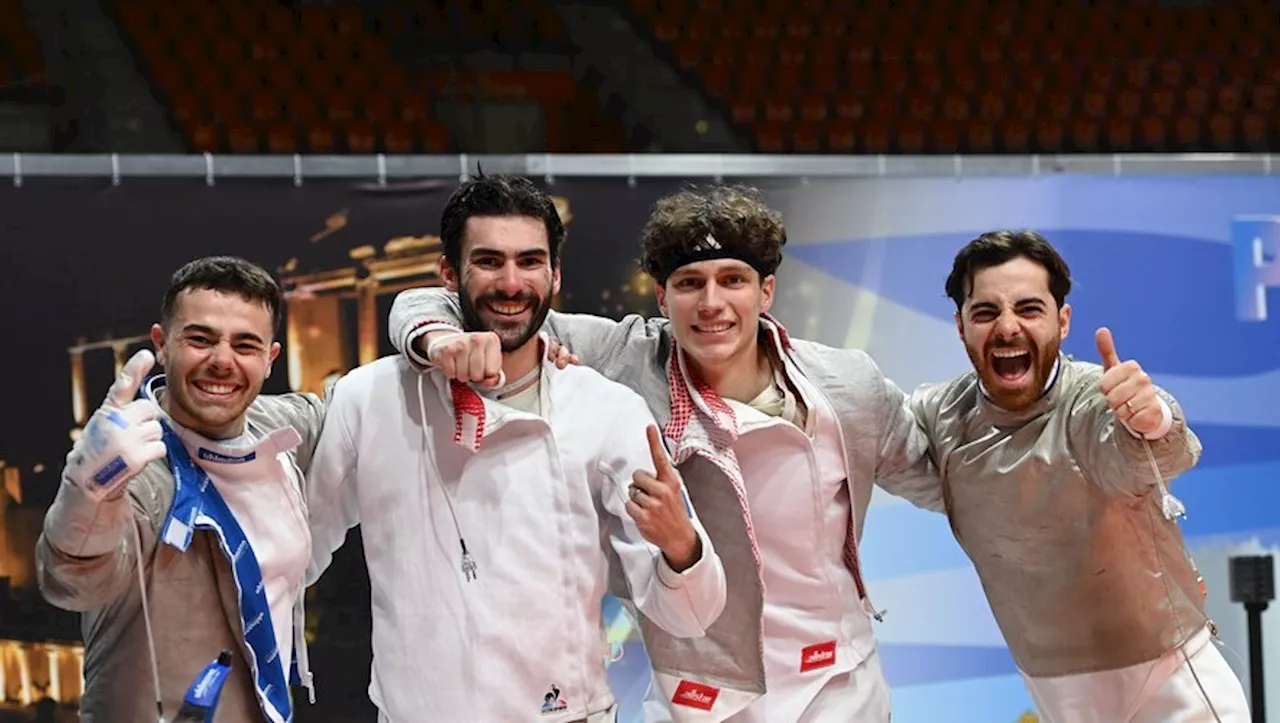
x=712, y=678
x=538, y=503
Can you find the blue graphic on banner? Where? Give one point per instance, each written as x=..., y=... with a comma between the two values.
x=197, y=505
x=1255, y=244
x=1178, y=267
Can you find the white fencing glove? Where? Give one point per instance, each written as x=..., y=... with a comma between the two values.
x=122, y=436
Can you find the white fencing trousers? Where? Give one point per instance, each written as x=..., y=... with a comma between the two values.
x=1170, y=689
x=609, y=715
x=858, y=696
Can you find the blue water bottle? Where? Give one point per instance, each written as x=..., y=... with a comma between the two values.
x=201, y=700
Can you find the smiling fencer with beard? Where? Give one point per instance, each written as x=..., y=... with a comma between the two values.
x=513, y=313
x=494, y=520
x=1049, y=475
x=511, y=300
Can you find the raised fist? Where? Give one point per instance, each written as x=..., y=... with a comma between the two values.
x=474, y=356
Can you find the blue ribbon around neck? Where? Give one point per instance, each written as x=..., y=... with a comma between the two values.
x=197, y=505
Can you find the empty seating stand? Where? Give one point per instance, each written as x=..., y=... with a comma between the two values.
x=260, y=76
x=1015, y=76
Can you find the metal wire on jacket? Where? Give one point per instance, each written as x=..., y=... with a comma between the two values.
x=1172, y=508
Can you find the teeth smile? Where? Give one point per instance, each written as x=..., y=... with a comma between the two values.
x=509, y=309
x=714, y=328
x=215, y=388
x=1008, y=353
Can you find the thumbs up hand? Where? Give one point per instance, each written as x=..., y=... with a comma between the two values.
x=1128, y=389
x=657, y=505
x=122, y=436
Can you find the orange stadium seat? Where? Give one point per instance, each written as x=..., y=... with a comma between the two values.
x=1119, y=133
x=1085, y=134
x=1254, y=129
x=320, y=137
x=1222, y=132
x=807, y=138
x=412, y=106
x=1263, y=99
x=744, y=111
x=771, y=137
x=1153, y=133
x=876, y=136
x=282, y=137
x=1230, y=100
x=945, y=137
x=1049, y=135
x=397, y=137
x=842, y=137
x=361, y=137
x=1187, y=132
x=435, y=138
x=204, y=136
x=980, y=137
x=1015, y=135
x=243, y=138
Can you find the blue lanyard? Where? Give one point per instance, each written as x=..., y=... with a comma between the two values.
x=197, y=505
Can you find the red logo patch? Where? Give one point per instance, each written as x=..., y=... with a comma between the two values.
x=817, y=656
x=695, y=695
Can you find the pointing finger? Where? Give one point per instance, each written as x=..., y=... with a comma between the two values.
x=661, y=462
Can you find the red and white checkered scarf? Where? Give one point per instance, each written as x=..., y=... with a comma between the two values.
x=701, y=421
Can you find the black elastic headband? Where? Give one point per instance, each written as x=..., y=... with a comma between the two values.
x=707, y=250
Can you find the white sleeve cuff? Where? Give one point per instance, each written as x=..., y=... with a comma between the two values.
x=1166, y=422
x=676, y=580
x=409, y=348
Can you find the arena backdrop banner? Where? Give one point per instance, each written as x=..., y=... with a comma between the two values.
x=1181, y=268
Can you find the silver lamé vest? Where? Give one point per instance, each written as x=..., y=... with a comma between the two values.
x=1058, y=509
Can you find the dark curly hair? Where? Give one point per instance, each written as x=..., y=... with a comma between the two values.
x=734, y=216
x=997, y=247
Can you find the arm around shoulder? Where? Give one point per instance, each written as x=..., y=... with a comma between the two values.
x=905, y=465
x=417, y=312
x=611, y=347
x=618, y=349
